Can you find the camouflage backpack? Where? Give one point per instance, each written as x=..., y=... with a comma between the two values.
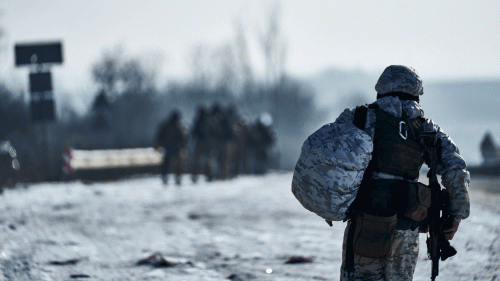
x=330, y=168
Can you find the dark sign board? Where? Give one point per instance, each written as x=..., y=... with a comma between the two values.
x=38, y=53
x=42, y=110
x=40, y=82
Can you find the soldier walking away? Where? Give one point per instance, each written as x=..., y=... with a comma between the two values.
x=199, y=135
x=237, y=147
x=389, y=186
x=260, y=140
x=364, y=169
x=171, y=139
x=220, y=134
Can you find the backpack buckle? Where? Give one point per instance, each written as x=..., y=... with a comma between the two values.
x=403, y=127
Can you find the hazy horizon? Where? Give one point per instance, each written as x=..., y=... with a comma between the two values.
x=443, y=40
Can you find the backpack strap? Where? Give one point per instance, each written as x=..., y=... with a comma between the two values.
x=360, y=117
x=360, y=122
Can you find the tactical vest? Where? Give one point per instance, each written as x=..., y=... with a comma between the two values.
x=383, y=205
x=396, y=151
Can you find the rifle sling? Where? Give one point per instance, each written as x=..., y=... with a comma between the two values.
x=349, y=255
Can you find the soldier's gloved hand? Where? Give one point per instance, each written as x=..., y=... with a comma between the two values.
x=449, y=233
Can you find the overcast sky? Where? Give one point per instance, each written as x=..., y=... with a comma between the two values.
x=440, y=39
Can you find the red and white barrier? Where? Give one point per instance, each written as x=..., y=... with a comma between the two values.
x=75, y=159
x=67, y=167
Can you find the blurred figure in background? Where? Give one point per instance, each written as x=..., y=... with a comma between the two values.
x=172, y=140
x=259, y=141
x=219, y=138
x=200, y=151
x=237, y=149
x=223, y=144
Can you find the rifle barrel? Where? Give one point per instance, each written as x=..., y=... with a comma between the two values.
x=435, y=269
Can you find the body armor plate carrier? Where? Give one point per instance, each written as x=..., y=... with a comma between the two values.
x=397, y=150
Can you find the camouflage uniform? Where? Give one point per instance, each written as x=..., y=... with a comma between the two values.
x=200, y=150
x=399, y=266
x=171, y=137
x=451, y=167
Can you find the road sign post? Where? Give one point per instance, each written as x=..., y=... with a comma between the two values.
x=37, y=55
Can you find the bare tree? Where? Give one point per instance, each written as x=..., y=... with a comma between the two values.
x=200, y=65
x=242, y=56
x=135, y=78
x=118, y=75
x=107, y=72
x=274, y=49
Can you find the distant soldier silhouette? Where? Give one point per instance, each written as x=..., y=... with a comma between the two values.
x=219, y=137
x=237, y=146
x=489, y=151
x=200, y=139
x=171, y=138
x=259, y=141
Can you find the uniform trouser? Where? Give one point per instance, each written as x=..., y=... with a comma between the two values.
x=171, y=163
x=199, y=164
x=399, y=266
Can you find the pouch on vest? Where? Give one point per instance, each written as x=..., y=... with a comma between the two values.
x=386, y=194
x=374, y=235
x=408, y=199
x=419, y=200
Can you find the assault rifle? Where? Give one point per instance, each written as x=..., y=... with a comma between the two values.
x=438, y=218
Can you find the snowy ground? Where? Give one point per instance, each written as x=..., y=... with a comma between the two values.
x=240, y=229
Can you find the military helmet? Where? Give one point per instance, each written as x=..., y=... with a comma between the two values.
x=399, y=78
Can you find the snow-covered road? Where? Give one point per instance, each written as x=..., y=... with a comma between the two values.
x=241, y=229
